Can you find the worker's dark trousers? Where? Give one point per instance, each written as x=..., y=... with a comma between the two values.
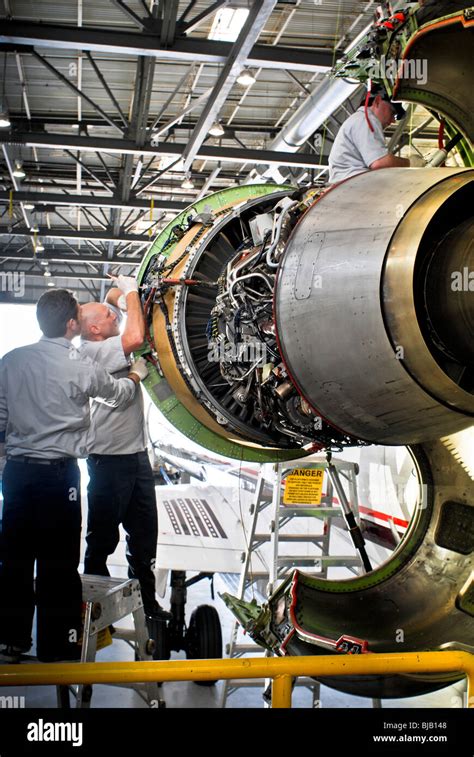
x=122, y=490
x=42, y=523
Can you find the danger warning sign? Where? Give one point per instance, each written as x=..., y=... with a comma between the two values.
x=304, y=486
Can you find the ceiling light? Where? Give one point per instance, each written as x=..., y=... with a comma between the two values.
x=246, y=78
x=228, y=23
x=4, y=119
x=28, y=206
x=43, y=262
x=39, y=247
x=187, y=182
x=216, y=130
x=18, y=171
x=50, y=283
x=46, y=272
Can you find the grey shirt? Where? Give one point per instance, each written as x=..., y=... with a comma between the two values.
x=356, y=147
x=44, y=399
x=120, y=431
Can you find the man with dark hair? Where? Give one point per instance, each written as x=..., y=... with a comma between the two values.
x=53, y=310
x=44, y=422
x=360, y=144
x=121, y=485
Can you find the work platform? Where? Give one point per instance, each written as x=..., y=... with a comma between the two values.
x=106, y=601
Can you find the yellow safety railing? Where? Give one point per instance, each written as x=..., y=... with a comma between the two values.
x=280, y=669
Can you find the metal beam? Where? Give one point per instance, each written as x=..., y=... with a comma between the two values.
x=68, y=275
x=259, y=14
x=42, y=198
x=102, y=236
x=12, y=178
x=191, y=25
x=89, y=171
x=75, y=89
x=185, y=13
x=192, y=105
x=300, y=84
x=63, y=258
x=179, y=88
x=20, y=34
x=134, y=17
x=208, y=182
x=168, y=27
x=103, y=81
x=127, y=146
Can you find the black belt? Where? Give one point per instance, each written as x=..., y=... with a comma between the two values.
x=41, y=461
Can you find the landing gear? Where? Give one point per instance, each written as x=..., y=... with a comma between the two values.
x=204, y=637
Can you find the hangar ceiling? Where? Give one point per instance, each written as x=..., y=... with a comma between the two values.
x=110, y=105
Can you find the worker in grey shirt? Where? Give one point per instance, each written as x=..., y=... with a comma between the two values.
x=121, y=488
x=44, y=422
x=360, y=143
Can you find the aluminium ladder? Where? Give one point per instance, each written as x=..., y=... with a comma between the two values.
x=268, y=497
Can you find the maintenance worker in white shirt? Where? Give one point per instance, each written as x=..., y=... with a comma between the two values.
x=121, y=488
x=45, y=424
x=360, y=143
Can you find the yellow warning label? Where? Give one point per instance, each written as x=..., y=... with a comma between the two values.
x=304, y=486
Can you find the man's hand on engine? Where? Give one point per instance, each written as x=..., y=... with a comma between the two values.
x=126, y=284
x=140, y=368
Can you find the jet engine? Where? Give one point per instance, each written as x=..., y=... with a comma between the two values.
x=281, y=323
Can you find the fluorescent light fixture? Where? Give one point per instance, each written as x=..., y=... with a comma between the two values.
x=18, y=171
x=228, y=23
x=216, y=130
x=246, y=78
x=28, y=206
x=187, y=182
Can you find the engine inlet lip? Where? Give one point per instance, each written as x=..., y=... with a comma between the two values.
x=398, y=285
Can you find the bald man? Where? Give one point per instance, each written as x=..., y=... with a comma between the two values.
x=121, y=488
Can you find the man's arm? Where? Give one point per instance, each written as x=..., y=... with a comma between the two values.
x=112, y=297
x=116, y=392
x=134, y=332
x=390, y=161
